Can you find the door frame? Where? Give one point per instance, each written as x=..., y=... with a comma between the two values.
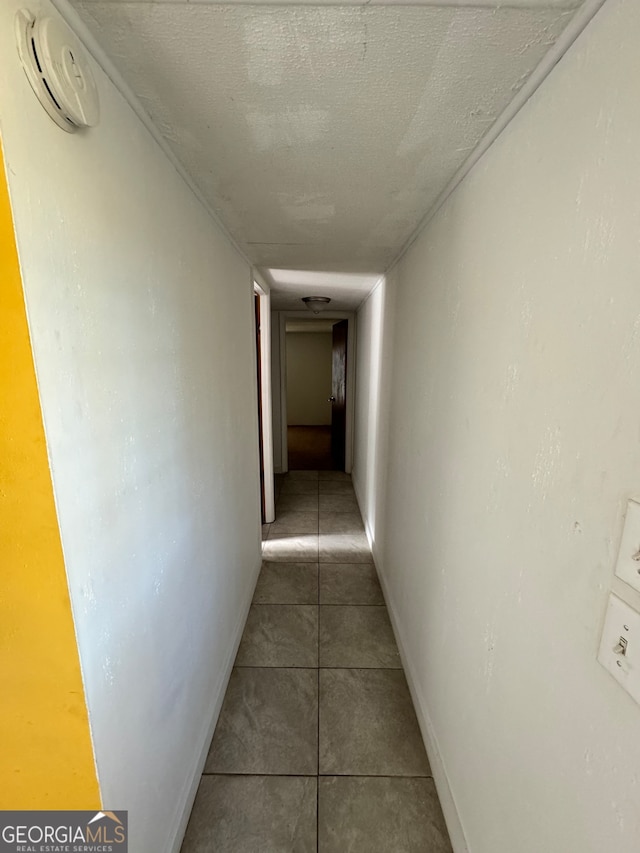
x=261, y=289
x=350, y=316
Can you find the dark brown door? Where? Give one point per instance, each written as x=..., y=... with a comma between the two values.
x=339, y=394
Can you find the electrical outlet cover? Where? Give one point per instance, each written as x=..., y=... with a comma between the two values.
x=622, y=623
x=628, y=564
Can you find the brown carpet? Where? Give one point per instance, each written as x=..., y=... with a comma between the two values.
x=310, y=448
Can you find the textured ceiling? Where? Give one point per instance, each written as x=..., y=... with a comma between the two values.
x=321, y=135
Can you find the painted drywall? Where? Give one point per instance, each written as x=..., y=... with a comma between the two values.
x=511, y=452
x=140, y=314
x=46, y=760
x=276, y=396
x=308, y=378
x=374, y=352
x=261, y=292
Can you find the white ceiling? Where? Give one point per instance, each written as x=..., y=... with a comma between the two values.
x=322, y=134
x=345, y=290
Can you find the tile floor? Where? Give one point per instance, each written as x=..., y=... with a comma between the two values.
x=317, y=746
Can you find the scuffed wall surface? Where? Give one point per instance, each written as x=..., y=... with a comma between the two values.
x=513, y=449
x=140, y=313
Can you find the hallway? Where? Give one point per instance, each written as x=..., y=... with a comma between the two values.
x=317, y=745
x=459, y=178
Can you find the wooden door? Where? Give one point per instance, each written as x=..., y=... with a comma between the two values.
x=339, y=394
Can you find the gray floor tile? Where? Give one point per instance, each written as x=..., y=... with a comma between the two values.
x=341, y=522
x=253, y=814
x=280, y=635
x=368, y=815
x=287, y=583
x=342, y=548
x=286, y=547
x=374, y=794
x=338, y=503
x=368, y=726
x=335, y=487
x=289, y=521
x=298, y=503
x=357, y=637
x=349, y=583
x=299, y=487
x=268, y=724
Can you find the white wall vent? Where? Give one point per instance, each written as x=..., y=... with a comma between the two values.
x=58, y=70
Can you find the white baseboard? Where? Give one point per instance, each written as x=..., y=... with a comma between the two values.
x=440, y=778
x=190, y=790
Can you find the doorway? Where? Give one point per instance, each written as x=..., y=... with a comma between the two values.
x=315, y=361
x=338, y=398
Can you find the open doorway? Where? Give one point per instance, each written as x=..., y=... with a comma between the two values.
x=316, y=393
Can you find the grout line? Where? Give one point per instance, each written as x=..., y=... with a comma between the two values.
x=300, y=668
x=373, y=776
x=324, y=775
x=284, y=603
x=286, y=775
x=327, y=666
x=310, y=604
x=292, y=508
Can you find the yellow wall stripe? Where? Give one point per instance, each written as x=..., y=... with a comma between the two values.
x=46, y=757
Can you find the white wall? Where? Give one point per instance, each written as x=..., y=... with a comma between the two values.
x=373, y=388
x=276, y=396
x=141, y=319
x=513, y=447
x=309, y=378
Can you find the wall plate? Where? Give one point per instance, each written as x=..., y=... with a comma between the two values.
x=628, y=563
x=619, y=650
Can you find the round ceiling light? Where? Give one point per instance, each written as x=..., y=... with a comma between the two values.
x=316, y=303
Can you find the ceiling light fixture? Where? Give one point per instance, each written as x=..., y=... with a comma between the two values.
x=316, y=303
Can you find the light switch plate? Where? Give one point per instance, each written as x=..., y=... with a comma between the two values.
x=620, y=645
x=628, y=568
